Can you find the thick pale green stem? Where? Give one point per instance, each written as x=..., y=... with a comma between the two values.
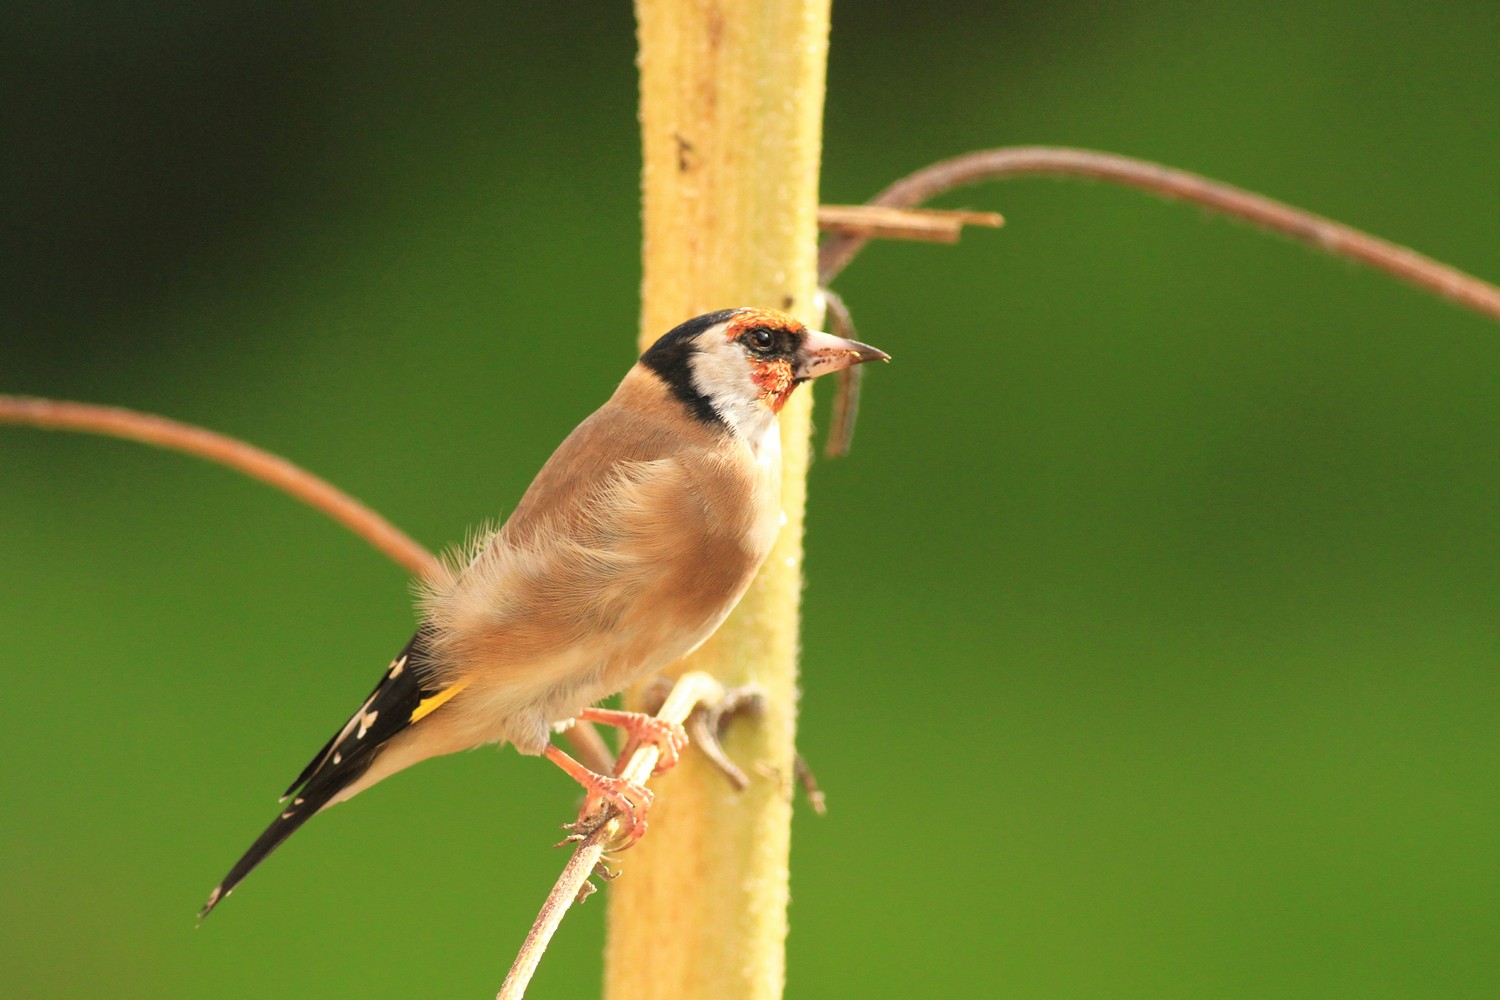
x=731, y=115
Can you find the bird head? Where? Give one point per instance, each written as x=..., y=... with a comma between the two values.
x=740, y=366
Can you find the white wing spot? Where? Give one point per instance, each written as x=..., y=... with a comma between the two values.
x=338, y=759
x=298, y=802
x=398, y=667
x=365, y=722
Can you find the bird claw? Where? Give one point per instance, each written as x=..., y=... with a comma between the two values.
x=669, y=738
x=616, y=796
x=607, y=798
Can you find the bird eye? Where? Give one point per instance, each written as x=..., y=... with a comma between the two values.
x=759, y=339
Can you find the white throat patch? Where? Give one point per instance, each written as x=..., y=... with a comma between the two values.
x=723, y=376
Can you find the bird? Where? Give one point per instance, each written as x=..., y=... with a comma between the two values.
x=628, y=550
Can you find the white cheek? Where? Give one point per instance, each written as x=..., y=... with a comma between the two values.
x=723, y=376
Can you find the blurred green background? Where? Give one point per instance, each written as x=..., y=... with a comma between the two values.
x=1151, y=630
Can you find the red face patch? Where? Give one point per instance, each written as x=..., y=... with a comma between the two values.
x=774, y=381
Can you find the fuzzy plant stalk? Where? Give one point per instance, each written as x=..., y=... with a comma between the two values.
x=731, y=117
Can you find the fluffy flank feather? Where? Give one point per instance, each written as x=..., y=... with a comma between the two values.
x=524, y=602
x=453, y=561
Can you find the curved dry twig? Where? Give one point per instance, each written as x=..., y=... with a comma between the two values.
x=837, y=251
x=273, y=470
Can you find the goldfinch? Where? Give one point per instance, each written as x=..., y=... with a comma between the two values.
x=631, y=546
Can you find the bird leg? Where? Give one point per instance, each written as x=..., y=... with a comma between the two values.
x=668, y=737
x=631, y=798
x=587, y=746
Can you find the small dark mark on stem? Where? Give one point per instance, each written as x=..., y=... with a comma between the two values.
x=684, y=153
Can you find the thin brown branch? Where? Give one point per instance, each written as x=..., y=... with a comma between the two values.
x=691, y=690
x=931, y=225
x=274, y=471
x=837, y=251
x=851, y=379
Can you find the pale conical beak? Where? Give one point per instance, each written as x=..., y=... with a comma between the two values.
x=822, y=353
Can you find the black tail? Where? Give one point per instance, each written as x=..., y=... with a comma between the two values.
x=298, y=811
x=343, y=760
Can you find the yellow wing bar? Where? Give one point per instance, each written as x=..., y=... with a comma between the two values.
x=429, y=705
